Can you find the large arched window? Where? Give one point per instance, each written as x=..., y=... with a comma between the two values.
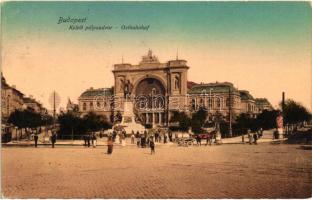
x=84, y=106
x=98, y=104
x=91, y=105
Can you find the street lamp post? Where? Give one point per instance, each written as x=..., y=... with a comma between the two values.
x=210, y=102
x=153, y=117
x=230, y=113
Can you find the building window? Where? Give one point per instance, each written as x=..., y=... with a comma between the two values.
x=218, y=103
x=91, y=106
x=98, y=104
x=193, y=104
x=210, y=102
x=201, y=103
x=227, y=102
x=84, y=106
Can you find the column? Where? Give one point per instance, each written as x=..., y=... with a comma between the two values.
x=153, y=117
x=146, y=119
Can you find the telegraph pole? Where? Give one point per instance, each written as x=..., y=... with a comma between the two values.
x=54, y=109
x=230, y=113
x=283, y=102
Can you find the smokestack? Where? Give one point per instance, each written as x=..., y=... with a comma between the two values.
x=283, y=101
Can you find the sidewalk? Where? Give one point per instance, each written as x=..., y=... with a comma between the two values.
x=266, y=138
x=100, y=142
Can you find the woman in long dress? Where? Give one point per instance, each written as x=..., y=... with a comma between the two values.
x=110, y=145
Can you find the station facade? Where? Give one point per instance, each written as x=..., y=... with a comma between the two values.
x=157, y=89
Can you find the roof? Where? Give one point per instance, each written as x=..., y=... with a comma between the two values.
x=30, y=100
x=4, y=84
x=263, y=101
x=190, y=84
x=97, y=92
x=214, y=87
x=245, y=95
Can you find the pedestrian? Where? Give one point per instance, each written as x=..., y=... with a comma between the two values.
x=147, y=141
x=85, y=140
x=208, y=139
x=249, y=137
x=176, y=136
x=197, y=140
x=110, y=145
x=138, y=141
x=156, y=136
x=120, y=137
x=114, y=135
x=132, y=137
x=165, y=138
x=145, y=133
x=137, y=134
x=170, y=135
x=143, y=141
x=152, y=145
x=36, y=139
x=94, y=140
x=255, y=137
x=88, y=139
x=53, y=139
x=123, y=139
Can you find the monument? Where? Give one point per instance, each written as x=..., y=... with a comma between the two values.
x=128, y=118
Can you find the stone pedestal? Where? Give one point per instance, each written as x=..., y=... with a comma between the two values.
x=280, y=132
x=128, y=119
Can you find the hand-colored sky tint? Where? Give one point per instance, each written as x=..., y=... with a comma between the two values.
x=264, y=47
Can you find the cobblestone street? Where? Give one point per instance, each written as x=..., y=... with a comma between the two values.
x=225, y=171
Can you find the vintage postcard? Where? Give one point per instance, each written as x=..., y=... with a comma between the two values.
x=156, y=99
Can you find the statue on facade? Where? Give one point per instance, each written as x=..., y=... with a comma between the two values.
x=127, y=87
x=177, y=83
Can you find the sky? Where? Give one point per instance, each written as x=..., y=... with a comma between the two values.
x=263, y=47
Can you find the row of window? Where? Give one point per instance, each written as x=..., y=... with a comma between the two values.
x=212, y=102
x=91, y=105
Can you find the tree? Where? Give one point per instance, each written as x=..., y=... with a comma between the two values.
x=70, y=124
x=243, y=123
x=198, y=120
x=294, y=112
x=25, y=119
x=267, y=119
x=182, y=119
x=93, y=122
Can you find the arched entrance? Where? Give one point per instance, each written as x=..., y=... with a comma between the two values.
x=150, y=101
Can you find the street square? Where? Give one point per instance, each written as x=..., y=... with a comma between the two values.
x=218, y=171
